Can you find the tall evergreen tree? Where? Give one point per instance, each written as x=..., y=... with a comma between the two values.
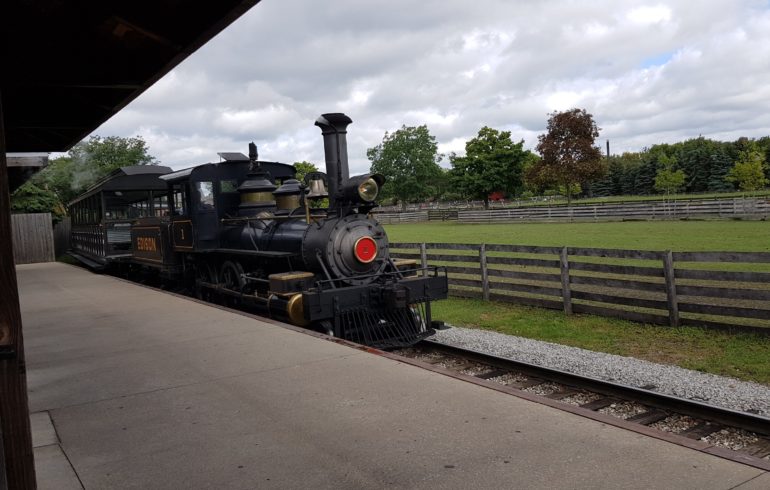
x=694, y=157
x=644, y=181
x=720, y=165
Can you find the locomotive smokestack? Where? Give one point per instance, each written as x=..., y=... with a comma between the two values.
x=333, y=128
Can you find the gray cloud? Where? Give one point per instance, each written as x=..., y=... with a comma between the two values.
x=650, y=72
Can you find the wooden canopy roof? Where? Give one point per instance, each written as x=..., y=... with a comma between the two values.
x=68, y=66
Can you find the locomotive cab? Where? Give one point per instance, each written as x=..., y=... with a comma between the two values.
x=206, y=198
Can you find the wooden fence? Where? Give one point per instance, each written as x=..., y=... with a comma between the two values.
x=32, y=238
x=62, y=233
x=721, y=290
x=394, y=218
x=752, y=208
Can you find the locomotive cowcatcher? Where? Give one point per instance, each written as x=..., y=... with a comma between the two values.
x=244, y=231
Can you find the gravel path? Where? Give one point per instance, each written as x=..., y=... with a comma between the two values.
x=708, y=388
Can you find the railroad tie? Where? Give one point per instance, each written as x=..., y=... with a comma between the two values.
x=526, y=384
x=492, y=374
x=434, y=360
x=760, y=449
x=558, y=395
x=599, y=404
x=700, y=430
x=463, y=366
x=649, y=417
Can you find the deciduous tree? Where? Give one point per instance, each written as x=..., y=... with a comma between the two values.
x=68, y=176
x=408, y=158
x=304, y=168
x=29, y=198
x=749, y=171
x=568, y=151
x=492, y=163
x=668, y=180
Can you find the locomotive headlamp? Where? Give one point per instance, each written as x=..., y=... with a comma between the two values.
x=363, y=188
x=368, y=190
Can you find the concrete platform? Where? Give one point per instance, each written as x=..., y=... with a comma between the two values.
x=148, y=390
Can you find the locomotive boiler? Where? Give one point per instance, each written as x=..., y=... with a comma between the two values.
x=245, y=231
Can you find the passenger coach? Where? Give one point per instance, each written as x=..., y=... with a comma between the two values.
x=102, y=216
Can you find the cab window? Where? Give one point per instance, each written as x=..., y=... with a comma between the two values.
x=228, y=186
x=205, y=195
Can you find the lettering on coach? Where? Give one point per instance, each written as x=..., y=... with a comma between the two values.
x=146, y=244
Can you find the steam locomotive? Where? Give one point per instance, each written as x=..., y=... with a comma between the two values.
x=245, y=231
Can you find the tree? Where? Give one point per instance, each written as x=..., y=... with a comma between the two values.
x=408, y=158
x=304, y=168
x=620, y=178
x=569, y=155
x=112, y=152
x=763, y=145
x=68, y=176
x=721, y=163
x=492, y=163
x=668, y=180
x=29, y=198
x=694, y=159
x=749, y=171
x=574, y=190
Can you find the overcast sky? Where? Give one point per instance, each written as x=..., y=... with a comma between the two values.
x=649, y=72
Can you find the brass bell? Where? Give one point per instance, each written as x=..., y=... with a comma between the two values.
x=317, y=189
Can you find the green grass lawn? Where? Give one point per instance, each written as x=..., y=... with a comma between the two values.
x=743, y=356
x=733, y=236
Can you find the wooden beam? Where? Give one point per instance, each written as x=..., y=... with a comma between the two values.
x=18, y=463
x=27, y=160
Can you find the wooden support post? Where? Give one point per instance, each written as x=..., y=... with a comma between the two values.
x=671, y=298
x=484, y=272
x=566, y=293
x=424, y=259
x=18, y=463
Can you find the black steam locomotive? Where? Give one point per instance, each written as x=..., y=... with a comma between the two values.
x=245, y=231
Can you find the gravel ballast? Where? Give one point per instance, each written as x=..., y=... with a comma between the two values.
x=708, y=388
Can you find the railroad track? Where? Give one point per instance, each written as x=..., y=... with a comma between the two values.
x=730, y=434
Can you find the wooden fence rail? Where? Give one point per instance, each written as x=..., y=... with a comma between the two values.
x=721, y=290
x=32, y=238
x=395, y=218
x=754, y=208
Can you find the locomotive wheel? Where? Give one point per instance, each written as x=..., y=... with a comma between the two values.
x=231, y=277
x=207, y=273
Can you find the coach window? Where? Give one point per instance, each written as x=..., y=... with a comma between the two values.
x=160, y=205
x=205, y=195
x=179, y=196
